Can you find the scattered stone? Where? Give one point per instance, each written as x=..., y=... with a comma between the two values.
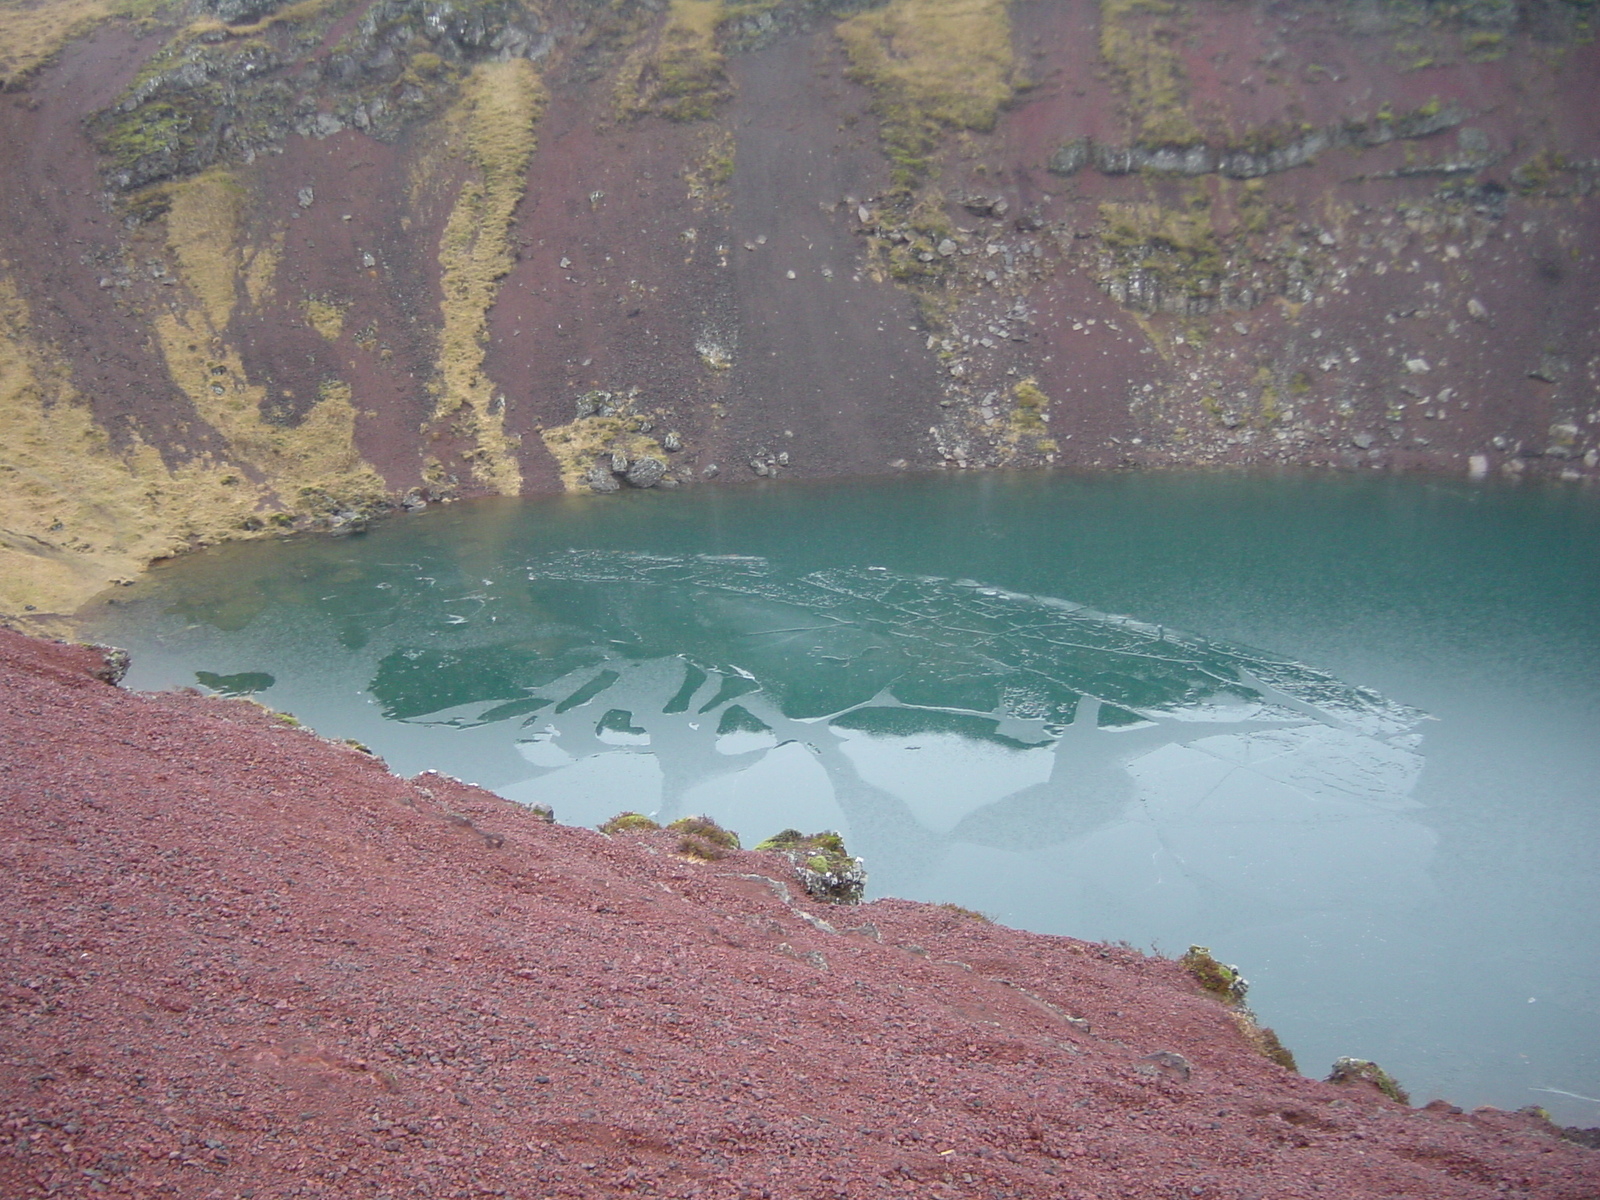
x=710, y=471
x=1362, y=441
x=1418, y=366
x=946, y=248
x=1476, y=310
x=1166, y=1063
x=619, y=463
x=306, y=196
x=672, y=441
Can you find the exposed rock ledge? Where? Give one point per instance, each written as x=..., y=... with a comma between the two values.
x=243, y=960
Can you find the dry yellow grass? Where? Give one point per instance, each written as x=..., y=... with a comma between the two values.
x=33, y=31
x=1139, y=42
x=203, y=234
x=578, y=444
x=950, y=59
x=498, y=110
x=325, y=316
x=75, y=514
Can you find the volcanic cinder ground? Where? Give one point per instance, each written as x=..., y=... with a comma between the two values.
x=244, y=961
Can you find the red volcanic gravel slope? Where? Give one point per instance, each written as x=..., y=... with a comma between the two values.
x=244, y=962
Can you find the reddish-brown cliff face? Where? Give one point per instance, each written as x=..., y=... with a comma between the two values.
x=241, y=960
x=271, y=267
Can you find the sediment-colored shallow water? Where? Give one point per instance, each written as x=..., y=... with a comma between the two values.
x=1341, y=730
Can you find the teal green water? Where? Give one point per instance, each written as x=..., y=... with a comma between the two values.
x=1344, y=731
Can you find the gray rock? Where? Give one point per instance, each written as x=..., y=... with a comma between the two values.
x=710, y=471
x=619, y=463
x=672, y=441
x=1071, y=158
x=1362, y=441
x=1165, y=1062
x=645, y=472
x=601, y=480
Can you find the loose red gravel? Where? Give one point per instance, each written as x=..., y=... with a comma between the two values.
x=245, y=962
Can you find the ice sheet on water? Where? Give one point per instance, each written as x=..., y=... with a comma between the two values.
x=841, y=635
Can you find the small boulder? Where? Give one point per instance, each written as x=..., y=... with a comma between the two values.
x=601, y=480
x=645, y=472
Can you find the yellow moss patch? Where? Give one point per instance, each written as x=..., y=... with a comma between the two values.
x=1028, y=420
x=499, y=106
x=950, y=58
x=312, y=466
x=261, y=269
x=74, y=513
x=290, y=14
x=1139, y=42
x=576, y=445
x=326, y=316
x=203, y=234
x=932, y=64
x=708, y=177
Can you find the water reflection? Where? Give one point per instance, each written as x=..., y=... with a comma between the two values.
x=972, y=741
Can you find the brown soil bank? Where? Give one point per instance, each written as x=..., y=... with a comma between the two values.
x=242, y=961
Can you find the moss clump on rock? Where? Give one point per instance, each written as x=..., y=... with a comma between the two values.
x=1359, y=1070
x=1221, y=980
x=629, y=822
x=827, y=870
x=1226, y=984
x=703, y=838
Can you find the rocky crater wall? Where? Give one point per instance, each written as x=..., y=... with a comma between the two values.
x=274, y=267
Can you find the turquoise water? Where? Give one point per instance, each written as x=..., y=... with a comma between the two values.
x=1344, y=731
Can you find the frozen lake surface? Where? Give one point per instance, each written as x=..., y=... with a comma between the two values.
x=1346, y=732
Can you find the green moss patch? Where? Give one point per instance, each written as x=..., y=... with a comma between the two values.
x=826, y=869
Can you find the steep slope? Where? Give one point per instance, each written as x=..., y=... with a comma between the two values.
x=242, y=960
x=268, y=267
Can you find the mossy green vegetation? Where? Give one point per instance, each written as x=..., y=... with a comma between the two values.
x=703, y=838
x=1360, y=1070
x=1177, y=248
x=681, y=74
x=1139, y=43
x=629, y=822
x=933, y=66
x=826, y=869
x=1221, y=980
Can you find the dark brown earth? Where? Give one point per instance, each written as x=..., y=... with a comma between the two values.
x=243, y=961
